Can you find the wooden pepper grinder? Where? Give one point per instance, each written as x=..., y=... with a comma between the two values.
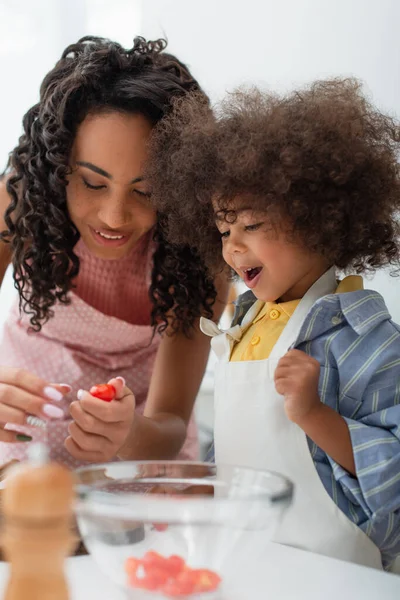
x=37, y=509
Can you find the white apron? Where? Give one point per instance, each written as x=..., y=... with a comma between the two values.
x=252, y=429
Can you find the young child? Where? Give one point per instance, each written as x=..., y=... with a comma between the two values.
x=102, y=292
x=299, y=188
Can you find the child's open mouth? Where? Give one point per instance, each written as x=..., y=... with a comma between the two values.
x=251, y=276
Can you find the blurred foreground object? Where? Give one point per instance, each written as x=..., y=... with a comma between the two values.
x=37, y=531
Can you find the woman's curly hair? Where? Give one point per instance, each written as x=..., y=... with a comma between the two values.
x=92, y=75
x=322, y=160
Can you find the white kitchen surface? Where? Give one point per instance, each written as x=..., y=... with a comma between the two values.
x=280, y=573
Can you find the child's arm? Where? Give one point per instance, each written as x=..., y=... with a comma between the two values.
x=296, y=378
x=329, y=430
x=366, y=457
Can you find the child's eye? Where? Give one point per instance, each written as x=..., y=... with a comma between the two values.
x=224, y=234
x=90, y=186
x=253, y=227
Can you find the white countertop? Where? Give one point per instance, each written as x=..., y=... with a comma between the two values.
x=281, y=574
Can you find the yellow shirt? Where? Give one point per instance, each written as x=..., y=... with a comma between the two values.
x=263, y=333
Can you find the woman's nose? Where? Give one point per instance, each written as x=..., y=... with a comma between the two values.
x=115, y=212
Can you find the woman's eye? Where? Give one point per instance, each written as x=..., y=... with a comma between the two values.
x=253, y=227
x=142, y=194
x=90, y=186
x=224, y=234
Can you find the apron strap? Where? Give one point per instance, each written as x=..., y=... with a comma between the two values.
x=223, y=340
x=325, y=285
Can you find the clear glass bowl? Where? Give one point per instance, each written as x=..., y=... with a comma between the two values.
x=202, y=513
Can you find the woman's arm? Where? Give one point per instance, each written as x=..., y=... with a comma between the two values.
x=178, y=372
x=103, y=430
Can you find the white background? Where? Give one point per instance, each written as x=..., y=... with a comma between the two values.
x=274, y=43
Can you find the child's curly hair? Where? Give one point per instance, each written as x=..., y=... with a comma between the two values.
x=92, y=75
x=322, y=159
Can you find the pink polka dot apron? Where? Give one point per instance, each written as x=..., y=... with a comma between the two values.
x=82, y=345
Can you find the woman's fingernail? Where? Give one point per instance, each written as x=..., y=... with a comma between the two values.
x=79, y=394
x=67, y=387
x=53, y=411
x=21, y=437
x=122, y=380
x=35, y=422
x=52, y=394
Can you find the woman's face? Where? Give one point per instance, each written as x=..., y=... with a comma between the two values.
x=107, y=195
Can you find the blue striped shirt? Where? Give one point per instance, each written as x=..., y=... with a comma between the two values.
x=358, y=347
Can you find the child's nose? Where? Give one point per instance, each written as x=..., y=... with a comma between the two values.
x=236, y=245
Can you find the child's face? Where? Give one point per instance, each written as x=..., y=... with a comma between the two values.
x=107, y=197
x=272, y=267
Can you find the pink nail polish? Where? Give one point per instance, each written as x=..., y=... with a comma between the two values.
x=79, y=394
x=52, y=394
x=53, y=411
x=122, y=380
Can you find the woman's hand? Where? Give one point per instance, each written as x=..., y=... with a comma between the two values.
x=22, y=394
x=99, y=429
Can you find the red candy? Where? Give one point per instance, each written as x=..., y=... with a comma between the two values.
x=169, y=575
x=175, y=564
x=153, y=559
x=179, y=587
x=151, y=579
x=103, y=391
x=160, y=526
x=205, y=580
x=131, y=565
x=145, y=583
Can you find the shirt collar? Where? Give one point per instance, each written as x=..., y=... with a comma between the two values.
x=287, y=307
x=362, y=309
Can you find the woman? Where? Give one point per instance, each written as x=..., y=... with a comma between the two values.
x=101, y=291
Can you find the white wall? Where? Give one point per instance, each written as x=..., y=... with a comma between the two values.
x=33, y=35
x=283, y=43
